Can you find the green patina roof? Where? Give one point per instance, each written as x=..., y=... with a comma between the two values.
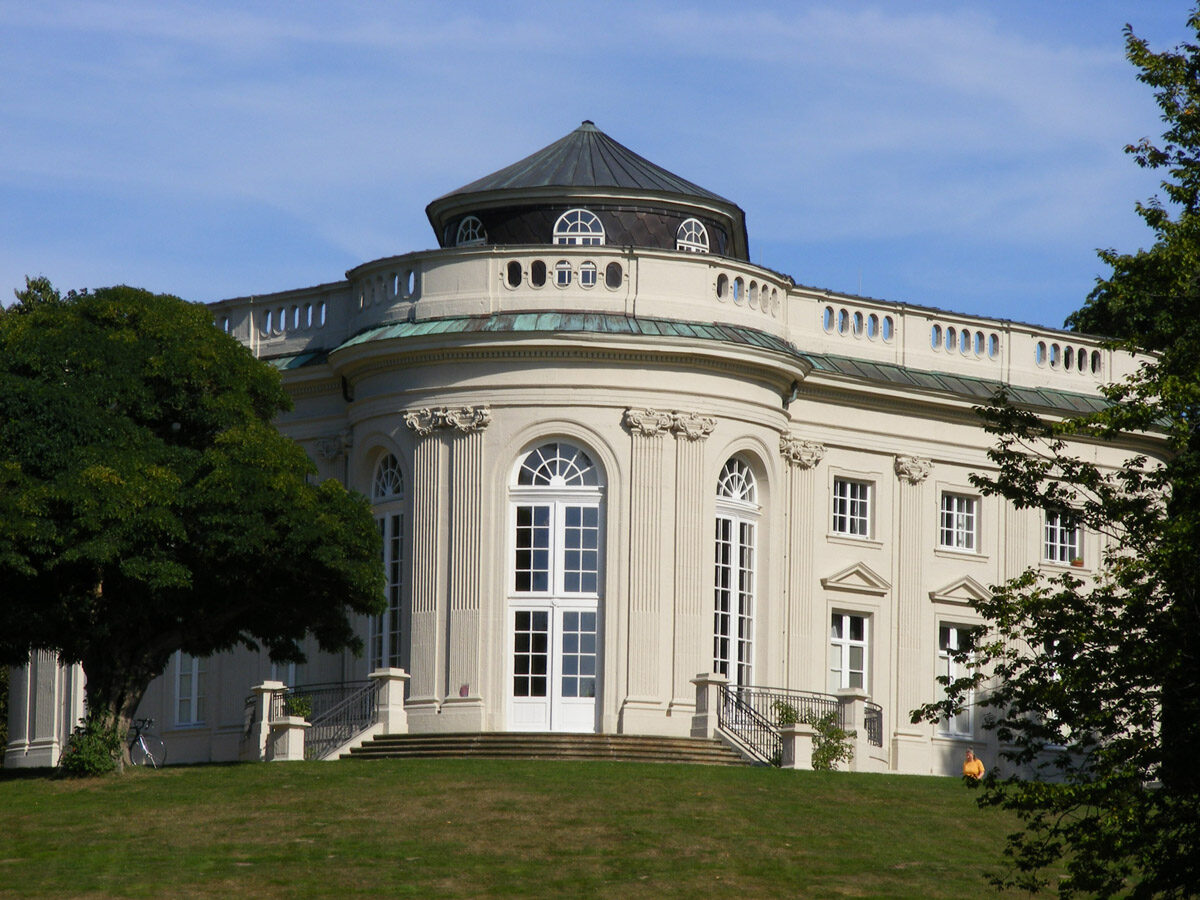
x=970, y=388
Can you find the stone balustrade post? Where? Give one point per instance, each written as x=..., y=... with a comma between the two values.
x=797, y=745
x=708, y=703
x=852, y=704
x=287, y=739
x=390, y=715
x=262, y=716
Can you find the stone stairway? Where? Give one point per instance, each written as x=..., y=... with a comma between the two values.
x=511, y=745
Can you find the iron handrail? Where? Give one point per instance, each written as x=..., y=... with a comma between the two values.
x=742, y=722
x=328, y=730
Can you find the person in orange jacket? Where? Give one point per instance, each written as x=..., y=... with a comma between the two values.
x=972, y=766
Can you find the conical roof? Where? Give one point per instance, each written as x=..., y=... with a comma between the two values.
x=587, y=157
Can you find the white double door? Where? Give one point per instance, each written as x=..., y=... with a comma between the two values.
x=554, y=666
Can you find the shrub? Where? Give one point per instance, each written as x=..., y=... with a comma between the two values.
x=298, y=705
x=94, y=748
x=832, y=744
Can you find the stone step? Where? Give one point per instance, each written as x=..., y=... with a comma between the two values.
x=513, y=745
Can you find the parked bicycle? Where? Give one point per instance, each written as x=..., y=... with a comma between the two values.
x=145, y=748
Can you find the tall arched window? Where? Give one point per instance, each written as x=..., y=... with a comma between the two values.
x=556, y=582
x=387, y=628
x=692, y=236
x=735, y=573
x=578, y=226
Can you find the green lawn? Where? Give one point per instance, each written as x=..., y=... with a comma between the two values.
x=489, y=828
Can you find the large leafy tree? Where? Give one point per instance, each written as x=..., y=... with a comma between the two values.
x=1097, y=682
x=149, y=505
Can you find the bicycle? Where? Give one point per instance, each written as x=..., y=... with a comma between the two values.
x=146, y=749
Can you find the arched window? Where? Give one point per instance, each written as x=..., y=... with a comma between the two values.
x=556, y=582
x=692, y=236
x=578, y=226
x=470, y=233
x=385, y=641
x=735, y=573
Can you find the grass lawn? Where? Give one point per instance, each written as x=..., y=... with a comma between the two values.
x=459, y=828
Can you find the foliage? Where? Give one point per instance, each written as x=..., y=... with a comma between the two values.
x=1096, y=680
x=785, y=713
x=831, y=745
x=148, y=504
x=94, y=748
x=298, y=705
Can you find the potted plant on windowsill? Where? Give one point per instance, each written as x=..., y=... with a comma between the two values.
x=1077, y=562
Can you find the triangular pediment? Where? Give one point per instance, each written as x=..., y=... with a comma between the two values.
x=858, y=578
x=964, y=591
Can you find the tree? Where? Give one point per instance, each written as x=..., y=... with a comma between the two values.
x=1097, y=682
x=149, y=505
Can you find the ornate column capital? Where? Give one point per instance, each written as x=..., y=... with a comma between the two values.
x=692, y=426
x=647, y=422
x=913, y=469
x=422, y=421
x=800, y=453
x=331, y=446
x=465, y=418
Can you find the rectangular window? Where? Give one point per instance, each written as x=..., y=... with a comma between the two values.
x=851, y=507
x=532, y=564
x=1063, y=538
x=386, y=628
x=531, y=653
x=581, y=549
x=189, y=689
x=847, y=652
x=958, y=518
x=952, y=638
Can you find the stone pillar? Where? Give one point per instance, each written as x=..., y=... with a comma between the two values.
x=797, y=746
x=853, y=717
x=804, y=627
x=428, y=648
x=693, y=558
x=914, y=646
x=708, y=703
x=390, y=715
x=287, y=739
x=647, y=428
x=462, y=708
x=261, y=735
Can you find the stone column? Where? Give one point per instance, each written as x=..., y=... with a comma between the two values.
x=428, y=587
x=261, y=736
x=462, y=709
x=797, y=746
x=389, y=700
x=647, y=428
x=803, y=627
x=708, y=703
x=914, y=647
x=853, y=717
x=693, y=558
x=287, y=739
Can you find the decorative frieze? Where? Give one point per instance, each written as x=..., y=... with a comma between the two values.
x=912, y=469
x=801, y=453
x=331, y=446
x=652, y=422
x=465, y=419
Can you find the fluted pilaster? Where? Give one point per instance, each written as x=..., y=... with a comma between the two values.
x=913, y=644
x=466, y=543
x=693, y=557
x=805, y=626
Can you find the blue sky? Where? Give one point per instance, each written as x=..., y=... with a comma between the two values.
x=958, y=154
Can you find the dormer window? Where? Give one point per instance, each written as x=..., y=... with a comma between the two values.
x=578, y=226
x=692, y=236
x=470, y=233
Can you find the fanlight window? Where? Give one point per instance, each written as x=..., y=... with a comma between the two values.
x=736, y=483
x=558, y=465
x=470, y=232
x=389, y=481
x=692, y=236
x=578, y=226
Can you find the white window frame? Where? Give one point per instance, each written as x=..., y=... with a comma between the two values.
x=692, y=236
x=951, y=637
x=1062, y=538
x=579, y=227
x=844, y=644
x=958, y=522
x=386, y=631
x=735, y=575
x=852, y=507
x=471, y=233
x=190, y=676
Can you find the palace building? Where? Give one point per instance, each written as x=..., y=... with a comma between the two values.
x=617, y=466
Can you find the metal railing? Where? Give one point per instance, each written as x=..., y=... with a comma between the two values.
x=874, y=724
x=339, y=712
x=738, y=718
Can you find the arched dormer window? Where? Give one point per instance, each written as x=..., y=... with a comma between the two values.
x=470, y=233
x=735, y=573
x=387, y=629
x=692, y=236
x=578, y=226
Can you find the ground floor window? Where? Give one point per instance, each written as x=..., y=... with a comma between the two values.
x=190, y=674
x=848, y=651
x=951, y=639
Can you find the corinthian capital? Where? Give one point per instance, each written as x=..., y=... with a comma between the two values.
x=647, y=422
x=466, y=418
x=692, y=426
x=913, y=469
x=331, y=446
x=800, y=453
x=422, y=421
